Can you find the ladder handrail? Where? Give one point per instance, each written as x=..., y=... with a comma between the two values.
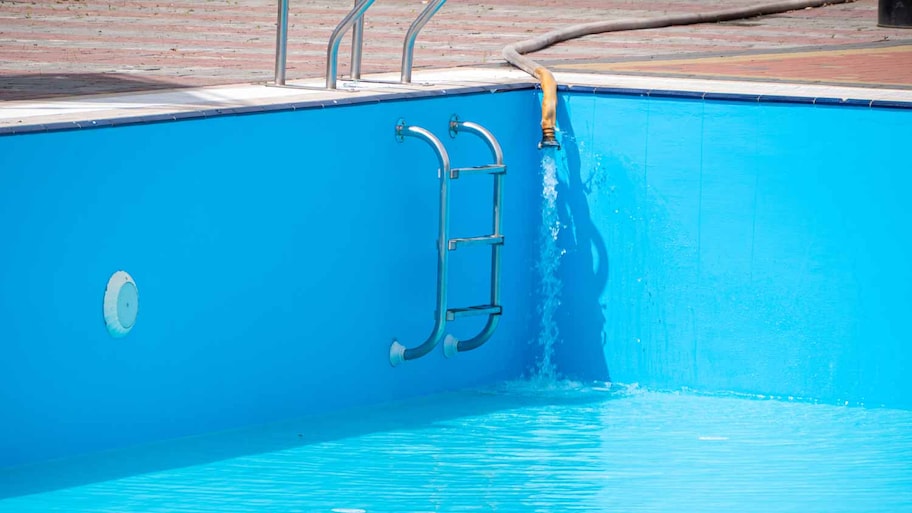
x=474, y=128
x=332, y=50
x=453, y=345
x=408, y=45
x=398, y=352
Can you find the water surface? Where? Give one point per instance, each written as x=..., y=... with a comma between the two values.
x=531, y=446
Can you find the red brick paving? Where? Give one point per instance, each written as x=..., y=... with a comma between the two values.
x=883, y=66
x=61, y=47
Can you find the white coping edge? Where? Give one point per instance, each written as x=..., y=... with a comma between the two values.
x=108, y=107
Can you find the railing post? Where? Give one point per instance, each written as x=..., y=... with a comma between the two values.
x=332, y=51
x=281, y=42
x=357, y=43
x=408, y=46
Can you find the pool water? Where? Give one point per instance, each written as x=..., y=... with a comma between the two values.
x=524, y=446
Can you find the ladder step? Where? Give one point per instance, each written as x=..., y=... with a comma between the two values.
x=484, y=240
x=491, y=169
x=455, y=313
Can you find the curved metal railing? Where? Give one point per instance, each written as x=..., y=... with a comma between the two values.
x=353, y=20
x=332, y=50
x=451, y=345
x=493, y=310
x=398, y=352
x=408, y=46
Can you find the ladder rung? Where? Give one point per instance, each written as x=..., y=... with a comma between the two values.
x=491, y=169
x=484, y=240
x=455, y=313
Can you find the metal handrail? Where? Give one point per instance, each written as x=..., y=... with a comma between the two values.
x=332, y=50
x=398, y=352
x=281, y=42
x=357, y=43
x=355, y=18
x=408, y=46
x=451, y=344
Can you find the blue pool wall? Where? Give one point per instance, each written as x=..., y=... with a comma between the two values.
x=276, y=257
x=721, y=246
x=737, y=246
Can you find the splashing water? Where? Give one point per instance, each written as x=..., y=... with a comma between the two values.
x=548, y=264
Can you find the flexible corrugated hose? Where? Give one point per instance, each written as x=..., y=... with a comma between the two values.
x=514, y=54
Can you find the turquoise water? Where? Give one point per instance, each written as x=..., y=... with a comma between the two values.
x=517, y=447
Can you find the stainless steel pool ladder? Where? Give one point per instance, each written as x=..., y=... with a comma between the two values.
x=398, y=352
x=354, y=18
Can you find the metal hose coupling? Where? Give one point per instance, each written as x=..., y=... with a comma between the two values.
x=548, y=140
x=549, y=108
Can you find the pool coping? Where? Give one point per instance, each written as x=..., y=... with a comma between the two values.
x=98, y=111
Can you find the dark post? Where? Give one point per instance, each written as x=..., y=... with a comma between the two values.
x=894, y=13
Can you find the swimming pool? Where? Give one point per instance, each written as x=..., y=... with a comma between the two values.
x=681, y=243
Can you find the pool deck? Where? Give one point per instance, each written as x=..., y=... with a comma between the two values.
x=72, y=60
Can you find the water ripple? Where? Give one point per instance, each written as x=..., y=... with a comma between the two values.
x=583, y=448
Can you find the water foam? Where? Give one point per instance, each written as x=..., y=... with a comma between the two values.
x=548, y=264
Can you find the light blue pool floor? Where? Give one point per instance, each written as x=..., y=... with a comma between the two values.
x=516, y=447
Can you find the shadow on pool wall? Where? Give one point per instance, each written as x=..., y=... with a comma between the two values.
x=583, y=271
x=754, y=248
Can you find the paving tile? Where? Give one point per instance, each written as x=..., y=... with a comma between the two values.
x=69, y=47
